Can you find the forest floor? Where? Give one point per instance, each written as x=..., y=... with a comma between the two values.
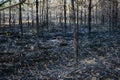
x=51, y=56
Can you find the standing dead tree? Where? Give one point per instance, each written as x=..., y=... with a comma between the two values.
x=65, y=17
x=0, y=18
x=37, y=18
x=75, y=32
x=47, y=17
x=9, y=14
x=20, y=19
x=89, y=15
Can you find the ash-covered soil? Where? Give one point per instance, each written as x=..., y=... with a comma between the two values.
x=51, y=56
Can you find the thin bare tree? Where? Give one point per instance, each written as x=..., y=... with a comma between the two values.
x=20, y=19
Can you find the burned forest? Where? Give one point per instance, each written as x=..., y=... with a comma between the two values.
x=59, y=39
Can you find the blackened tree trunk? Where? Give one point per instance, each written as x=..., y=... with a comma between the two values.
x=81, y=17
x=0, y=18
x=42, y=16
x=75, y=33
x=43, y=5
x=10, y=15
x=85, y=18
x=20, y=19
x=102, y=19
x=32, y=16
x=37, y=18
x=96, y=14
x=116, y=13
x=47, y=14
x=13, y=20
x=28, y=18
x=89, y=15
x=28, y=14
x=65, y=17
x=60, y=19
x=113, y=15
x=110, y=14
x=40, y=12
x=4, y=17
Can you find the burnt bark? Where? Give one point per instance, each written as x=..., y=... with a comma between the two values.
x=65, y=18
x=37, y=18
x=10, y=15
x=75, y=32
x=47, y=18
x=89, y=15
x=20, y=19
x=0, y=19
